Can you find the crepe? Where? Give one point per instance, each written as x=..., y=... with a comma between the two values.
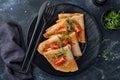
x=66, y=15
x=62, y=21
x=51, y=30
x=81, y=34
x=76, y=51
x=69, y=66
x=75, y=45
x=43, y=46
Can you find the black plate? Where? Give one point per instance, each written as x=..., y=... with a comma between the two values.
x=90, y=50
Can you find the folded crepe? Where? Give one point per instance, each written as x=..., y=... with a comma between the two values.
x=51, y=30
x=69, y=66
x=62, y=21
x=44, y=46
x=75, y=45
x=80, y=20
x=66, y=15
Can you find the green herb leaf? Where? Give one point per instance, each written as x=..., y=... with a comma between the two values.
x=112, y=20
x=60, y=53
x=63, y=36
x=53, y=57
x=70, y=27
x=72, y=43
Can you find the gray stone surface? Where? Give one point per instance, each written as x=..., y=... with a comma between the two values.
x=24, y=11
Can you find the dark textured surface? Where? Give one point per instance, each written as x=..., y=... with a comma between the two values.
x=24, y=11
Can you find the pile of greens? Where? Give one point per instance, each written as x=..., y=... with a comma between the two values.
x=112, y=20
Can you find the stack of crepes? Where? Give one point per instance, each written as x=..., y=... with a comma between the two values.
x=62, y=44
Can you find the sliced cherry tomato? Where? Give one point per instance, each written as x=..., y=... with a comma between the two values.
x=59, y=60
x=61, y=29
x=76, y=27
x=54, y=46
x=65, y=41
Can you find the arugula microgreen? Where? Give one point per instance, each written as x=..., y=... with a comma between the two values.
x=70, y=27
x=60, y=52
x=112, y=20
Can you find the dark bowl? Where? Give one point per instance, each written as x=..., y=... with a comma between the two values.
x=103, y=17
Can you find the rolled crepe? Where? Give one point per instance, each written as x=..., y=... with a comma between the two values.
x=69, y=66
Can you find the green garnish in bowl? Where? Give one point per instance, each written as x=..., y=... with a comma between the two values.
x=111, y=20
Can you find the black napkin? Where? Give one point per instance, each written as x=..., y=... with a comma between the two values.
x=11, y=51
